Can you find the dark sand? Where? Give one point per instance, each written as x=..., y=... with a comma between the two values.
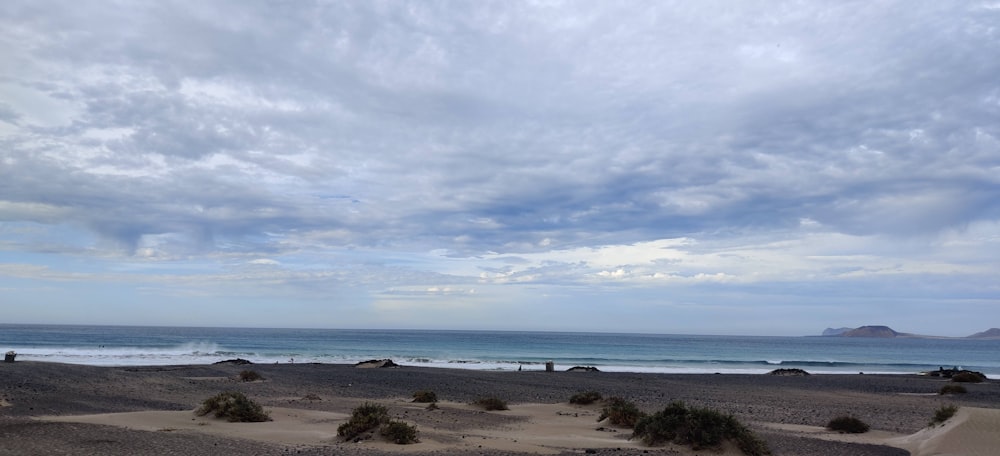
x=892, y=405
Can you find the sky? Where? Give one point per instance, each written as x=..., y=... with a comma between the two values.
x=710, y=167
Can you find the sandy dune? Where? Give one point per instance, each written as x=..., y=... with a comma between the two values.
x=289, y=426
x=541, y=429
x=971, y=432
x=874, y=437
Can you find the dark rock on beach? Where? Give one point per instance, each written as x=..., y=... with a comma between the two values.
x=958, y=375
x=235, y=362
x=377, y=363
x=789, y=372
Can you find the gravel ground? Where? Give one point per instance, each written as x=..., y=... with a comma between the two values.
x=898, y=403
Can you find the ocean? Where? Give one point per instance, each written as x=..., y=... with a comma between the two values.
x=495, y=350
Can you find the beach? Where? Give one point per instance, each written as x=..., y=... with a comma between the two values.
x=52, y=408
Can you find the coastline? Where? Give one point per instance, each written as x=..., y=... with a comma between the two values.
x=705, y=368
x=787, y=412
x=496, y=350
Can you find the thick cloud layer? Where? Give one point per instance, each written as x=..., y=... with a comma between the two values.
x=445, y=164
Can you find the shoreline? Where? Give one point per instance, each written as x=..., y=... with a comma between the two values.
x=509, y=366
x=896, y=406
x=491, y=350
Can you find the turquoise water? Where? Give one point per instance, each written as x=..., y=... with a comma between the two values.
x=496, y=350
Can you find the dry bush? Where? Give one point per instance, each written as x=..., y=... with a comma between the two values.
x=250, y=376
x=944, y=413
x=952, y=389
x=585, y=398
x=399, y=432
x=620, y=412
x=364, y=418
x=698, y=427
x=848, y=425
x=425, y=396
x=491, y=403
x=234, y=407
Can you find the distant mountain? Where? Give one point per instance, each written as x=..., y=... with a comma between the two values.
x=872, y=331
x=992, y=333
x=882, y=331
x=835, y=331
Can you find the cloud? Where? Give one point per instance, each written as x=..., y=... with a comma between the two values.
x=265, y=262
x=418, y=145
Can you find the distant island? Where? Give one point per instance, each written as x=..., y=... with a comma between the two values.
x=885, y=332
x=992, y=333
x=835, y=331
x=873, y=331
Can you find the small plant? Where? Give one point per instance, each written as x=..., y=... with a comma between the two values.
x=620, y=412
x=848, y=425
x=700, y=428
x=432, y=406
x=364, y=418
x=425, y=396
x=952, y=389
x=491, y=403
x=250, y=376
x=235, y=407
x=968, y=377
x=585, y=398
x=943, y=414
x=399, y=432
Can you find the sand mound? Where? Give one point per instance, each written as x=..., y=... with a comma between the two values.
x=289, y=426
x=526, y=428
x=971, y=432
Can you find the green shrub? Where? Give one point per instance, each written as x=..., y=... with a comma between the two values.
x=700, y=428
x=364, y=418
x=847, y=425
x=953, y=389
x=399, y=432
x=425, y=396
x=491, y=403
x=943, y=414
x=620, y=412
x=250, y=376
x=584, y=398
x=968, y=377
x=234, y=407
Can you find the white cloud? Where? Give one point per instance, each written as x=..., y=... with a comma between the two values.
x=265, y=262
x=38, y=109
x=753, y=151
